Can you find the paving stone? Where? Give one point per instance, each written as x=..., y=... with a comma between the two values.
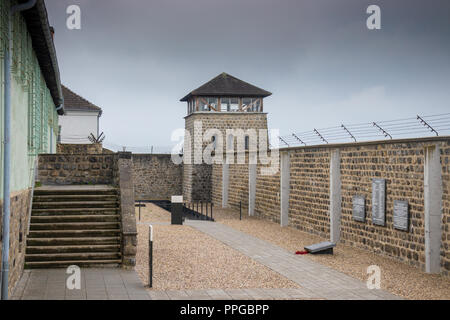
x=96, y=284
x=320, y=281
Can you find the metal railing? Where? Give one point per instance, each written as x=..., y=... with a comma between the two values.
x=195, y=210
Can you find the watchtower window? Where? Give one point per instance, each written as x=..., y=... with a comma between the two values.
x=207, y=103
x=251, y=104
x=229, y=104
x=246, y=142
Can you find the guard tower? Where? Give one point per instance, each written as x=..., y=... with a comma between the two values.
x=222, y=103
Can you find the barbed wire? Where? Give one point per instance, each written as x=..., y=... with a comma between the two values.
x=139, y=149
x=414, y=127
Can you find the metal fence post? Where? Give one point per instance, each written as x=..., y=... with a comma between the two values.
x=150, y=257
x=139, y=210
x=240, y=210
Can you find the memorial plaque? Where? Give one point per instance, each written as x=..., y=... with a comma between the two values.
x=359, y=208
x=378, y=201
x=401, y=215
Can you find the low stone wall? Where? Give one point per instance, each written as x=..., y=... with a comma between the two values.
x=156, y=177
x=76, y=168
x=20, y=206
x=92, y=148
x=400, y=163
x=124, y=180
x=113, y=169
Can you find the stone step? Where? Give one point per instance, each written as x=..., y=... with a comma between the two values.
x=73, y=211
x=42, y=191
x=75, y=204
x=75, y=226
x=73, y=218
x=73, y=248
x=73, y=233
x=79, y=263
x=73, y=197
x=67, y=241
x=72, y=256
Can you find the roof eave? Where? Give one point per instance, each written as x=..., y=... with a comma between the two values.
x=37, y=25
x=190, y=95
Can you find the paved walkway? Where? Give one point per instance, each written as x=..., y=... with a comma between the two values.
x=96, y=284
x=315, y=279
x=233, y=294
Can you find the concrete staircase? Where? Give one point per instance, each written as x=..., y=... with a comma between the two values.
x=74, y=225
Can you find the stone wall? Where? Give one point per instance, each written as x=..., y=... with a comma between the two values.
x=92, y=148
x=76, y=168
x=156, y=177
x=399, y=162
x=20, y=205
x=197, y=177
x=123, y=176
x=445, y=249
x=267, y=197
x=310, y=185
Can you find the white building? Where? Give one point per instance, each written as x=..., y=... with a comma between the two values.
x=81, y=119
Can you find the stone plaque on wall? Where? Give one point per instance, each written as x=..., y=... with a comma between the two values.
x=359, y=208
x=378, y=201
x=401, y=215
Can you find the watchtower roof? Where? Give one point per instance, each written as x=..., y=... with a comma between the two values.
x=226, y=85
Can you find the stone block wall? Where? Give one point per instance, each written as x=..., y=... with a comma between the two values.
x=197, y=177
x=399, y=162
x=445, y=248
x=216, y=185
x=124, y=179
x=310, y=186
x=76, y=168
x=20, y=206
x=156, y=177
x=238, y=185
x=267, y=197
x=402, y=165
x=92, y=148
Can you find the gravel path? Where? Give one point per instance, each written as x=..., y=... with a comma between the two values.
x=185, y=258
x=152, y=213
x=397, y=278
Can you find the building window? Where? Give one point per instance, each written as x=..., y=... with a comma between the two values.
x=208, y=103
x=212, y=104
x=229, y=104
x=251, y=104
x=246, y=142
x=214, y=141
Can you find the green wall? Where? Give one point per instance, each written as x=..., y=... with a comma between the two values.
x=33, y=110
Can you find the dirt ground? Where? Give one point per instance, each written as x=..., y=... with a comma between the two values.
x=397, y=277
x=185, y=258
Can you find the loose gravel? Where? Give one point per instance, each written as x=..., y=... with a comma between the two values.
x=396, y=277
x=185, y=258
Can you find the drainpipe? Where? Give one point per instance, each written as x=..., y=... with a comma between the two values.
x=61, y=106
x=7, y=150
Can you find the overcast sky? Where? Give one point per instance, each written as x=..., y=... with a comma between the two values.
x=136, y=59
